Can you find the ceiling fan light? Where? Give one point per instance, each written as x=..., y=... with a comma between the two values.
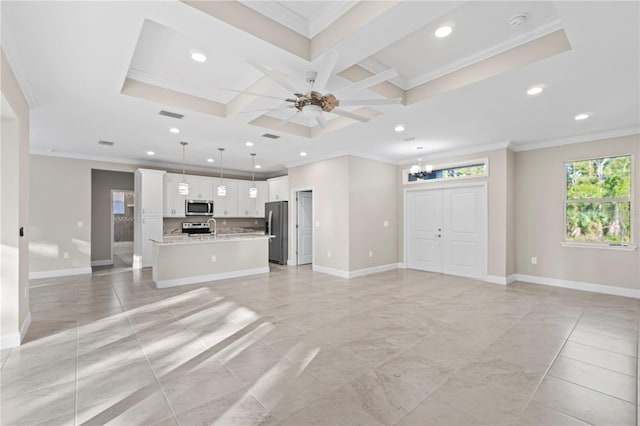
x=222, y=191
x=312, y=111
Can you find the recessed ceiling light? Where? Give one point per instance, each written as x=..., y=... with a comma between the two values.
x=582, y=116
x=209, y=160
x=535, y=91
x=258, y=166
x=443, y=31
x=198, y=57
x=151, y=153
x=174, y=130
x=399, y=128
x=303, y=154
x=249, y=143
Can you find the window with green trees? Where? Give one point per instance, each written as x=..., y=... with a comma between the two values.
x=598, y=202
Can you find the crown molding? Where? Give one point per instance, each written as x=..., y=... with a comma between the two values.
x=504, y=46
x=458, y=152
x=281, y=14
x=148, y=78
x=587, y=137
x=338, y=154
x=147, y=163
x=19, y=71
x=327, y=16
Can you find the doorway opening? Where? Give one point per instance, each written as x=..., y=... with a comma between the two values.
x=122, y=220
x=304, y=227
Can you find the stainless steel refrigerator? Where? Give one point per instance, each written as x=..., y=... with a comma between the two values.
x=276, y=223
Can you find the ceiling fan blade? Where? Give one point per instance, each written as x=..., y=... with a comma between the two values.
x=288, y=119
x=370, y=81
x=272, y=76
x=325, y=70
x=321, y=121
x=357, y=102
x=251, y=93
x=349, y=115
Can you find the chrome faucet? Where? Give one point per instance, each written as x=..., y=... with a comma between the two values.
x=215, y=226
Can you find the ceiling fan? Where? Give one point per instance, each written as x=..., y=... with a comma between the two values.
x=313, y=102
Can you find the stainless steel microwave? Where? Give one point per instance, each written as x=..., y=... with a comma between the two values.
x=198, y=208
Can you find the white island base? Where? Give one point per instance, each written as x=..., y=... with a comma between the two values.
x=187, y=261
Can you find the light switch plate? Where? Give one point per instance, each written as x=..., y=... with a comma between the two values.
x=385, y=224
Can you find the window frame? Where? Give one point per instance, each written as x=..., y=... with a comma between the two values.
x=631, y=245
x=465, y=163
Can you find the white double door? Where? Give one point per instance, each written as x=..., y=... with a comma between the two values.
x=446, y=230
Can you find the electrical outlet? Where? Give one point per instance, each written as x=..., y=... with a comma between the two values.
x=65, y=254
x=370, y=253
x=328, y=254
x=534, y=260
x=213, y=258
x=385, y=224
x=80, y=224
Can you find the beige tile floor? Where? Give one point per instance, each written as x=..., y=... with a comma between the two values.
x=297, y=347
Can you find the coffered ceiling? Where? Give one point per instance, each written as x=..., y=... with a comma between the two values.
x=104, y=70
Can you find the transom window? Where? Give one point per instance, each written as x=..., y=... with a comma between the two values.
x=467, y=169
x=598, y=200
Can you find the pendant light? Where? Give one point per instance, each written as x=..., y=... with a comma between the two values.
x=253, y=191
x=183, y=187
x=222, y=189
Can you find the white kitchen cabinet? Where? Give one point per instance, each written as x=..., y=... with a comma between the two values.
x=279, y=188
x=263, y=197
x=149, y=192
x=200, y=187
x=246, y=204
x=173, y=201
x=149, y=206
x=226, y=206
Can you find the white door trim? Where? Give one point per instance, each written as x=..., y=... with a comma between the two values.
x=293, y=235
x=405, y=216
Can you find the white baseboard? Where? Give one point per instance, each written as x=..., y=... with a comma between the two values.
x=358, y=272
x=500, y=280
x=211, y=277
x=137, y=262
x=12, y=340
x=104, y=262
x=59, y=273
x=331, y=271
x=25, y=326
x=579, y=285
x=374, y=270
x=291, y=262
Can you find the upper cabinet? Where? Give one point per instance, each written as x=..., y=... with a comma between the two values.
x=200, y=187
x=149, y=192
x=226, y=206
x=279, y=188
x=251, y=207
x=173, y=201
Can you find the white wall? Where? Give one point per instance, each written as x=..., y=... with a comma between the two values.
x=540, y=191
x=60, y=202
x=352, y=197
x=14, y=176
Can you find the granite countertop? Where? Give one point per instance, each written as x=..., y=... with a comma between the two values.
x=210, y=238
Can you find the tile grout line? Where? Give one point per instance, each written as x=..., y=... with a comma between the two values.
x=598, y=366
x=587, y=387
x=146, y=356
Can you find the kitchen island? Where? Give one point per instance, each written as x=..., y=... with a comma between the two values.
x=183, y=260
